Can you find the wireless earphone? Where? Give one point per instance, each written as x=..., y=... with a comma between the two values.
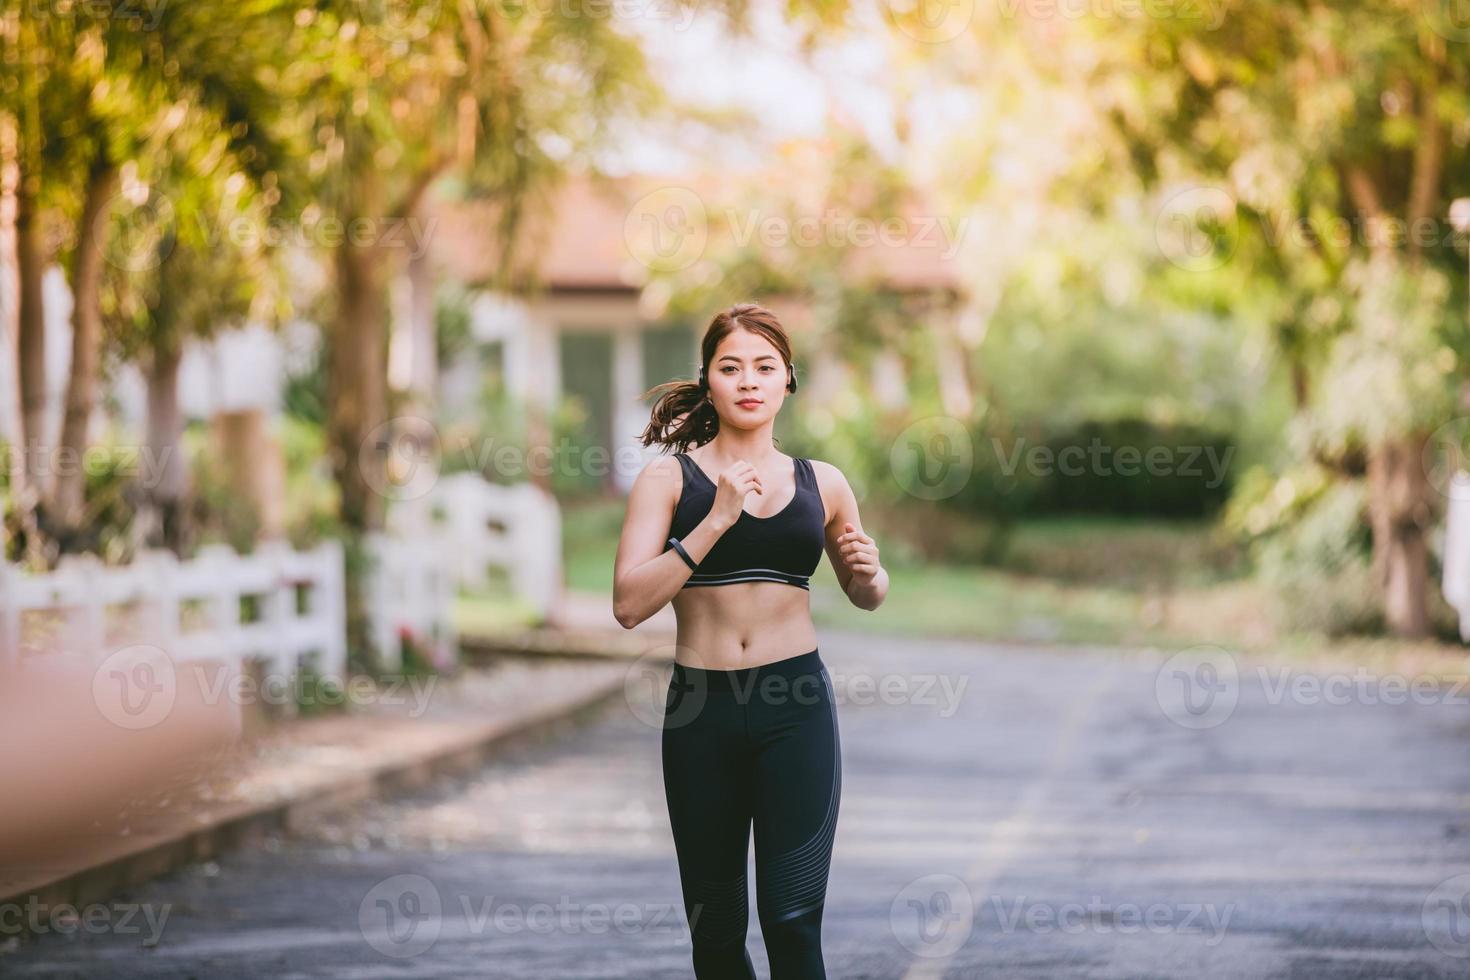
x=790, y=378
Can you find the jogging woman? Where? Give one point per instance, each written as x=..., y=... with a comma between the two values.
x=750, y=728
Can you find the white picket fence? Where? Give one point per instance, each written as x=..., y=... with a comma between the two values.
x=192, y=609
x=478, y=526
x=452, y=536
x=409, y=589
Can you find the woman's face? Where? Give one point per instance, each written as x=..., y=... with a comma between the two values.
x=747, y=380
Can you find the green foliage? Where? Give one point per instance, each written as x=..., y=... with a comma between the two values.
x=1392, y=373
x=858, y=437
x=1142, y=555
x=220, y=512
x=453, y=333
x=414, y=656
x=1264, y=503
x=311, y=496
x=1321, y=567
x=1083, y=336
x=316, y=694
x=573, y=436
x=491, y=439
x=304, y=394
x=112, y=469
x=1135, y=467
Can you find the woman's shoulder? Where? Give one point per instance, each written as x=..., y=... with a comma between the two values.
x=823, y=468
x=664, y=466
x=660, y=475
x=829, y=477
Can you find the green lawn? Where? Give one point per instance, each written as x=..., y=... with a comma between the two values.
x=486, y=615
x=590, y=544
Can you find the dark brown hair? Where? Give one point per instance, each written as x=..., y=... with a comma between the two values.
x=683, y=415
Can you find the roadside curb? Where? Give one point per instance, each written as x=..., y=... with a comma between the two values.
x=139, y=860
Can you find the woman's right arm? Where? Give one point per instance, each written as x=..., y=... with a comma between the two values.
x=645, y=576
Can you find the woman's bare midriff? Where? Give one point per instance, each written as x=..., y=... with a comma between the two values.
x=726, y=627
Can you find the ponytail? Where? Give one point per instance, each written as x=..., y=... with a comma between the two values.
x=682, y=416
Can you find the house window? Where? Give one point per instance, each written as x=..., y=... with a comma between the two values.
x=669, y=353
x=586, y=415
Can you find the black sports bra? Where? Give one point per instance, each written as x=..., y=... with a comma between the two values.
x=785, y=547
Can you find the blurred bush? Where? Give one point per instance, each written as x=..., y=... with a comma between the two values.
x=1321, y=565
x=1135, y=467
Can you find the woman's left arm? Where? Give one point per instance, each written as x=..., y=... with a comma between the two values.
x=853, y=553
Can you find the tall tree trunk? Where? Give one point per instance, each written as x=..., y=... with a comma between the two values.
x=1301, y=384
x=68, y=495
x=165, y=445
x=356, y=404
x=1398, y=494
x=30, y=262
x=357, y=384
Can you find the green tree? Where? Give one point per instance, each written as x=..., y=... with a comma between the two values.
x=186, y=261
x=96, y=84
x=1321, y=146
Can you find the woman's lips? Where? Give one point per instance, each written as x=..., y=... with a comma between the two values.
x=748, y=403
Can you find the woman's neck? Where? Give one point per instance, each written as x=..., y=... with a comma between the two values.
x=754, y=445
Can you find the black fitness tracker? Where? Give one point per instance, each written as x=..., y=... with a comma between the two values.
x=683, y=554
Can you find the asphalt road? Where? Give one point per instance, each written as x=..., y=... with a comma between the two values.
x=1007, y=813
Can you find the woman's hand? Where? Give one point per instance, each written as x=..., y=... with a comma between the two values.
x=859, y=553
x=738, y=479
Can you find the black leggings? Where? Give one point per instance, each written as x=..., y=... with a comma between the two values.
x=755, y=744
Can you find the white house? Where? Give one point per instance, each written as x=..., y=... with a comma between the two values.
x=588, y=328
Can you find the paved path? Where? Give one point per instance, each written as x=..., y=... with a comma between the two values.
x=1062, y=814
